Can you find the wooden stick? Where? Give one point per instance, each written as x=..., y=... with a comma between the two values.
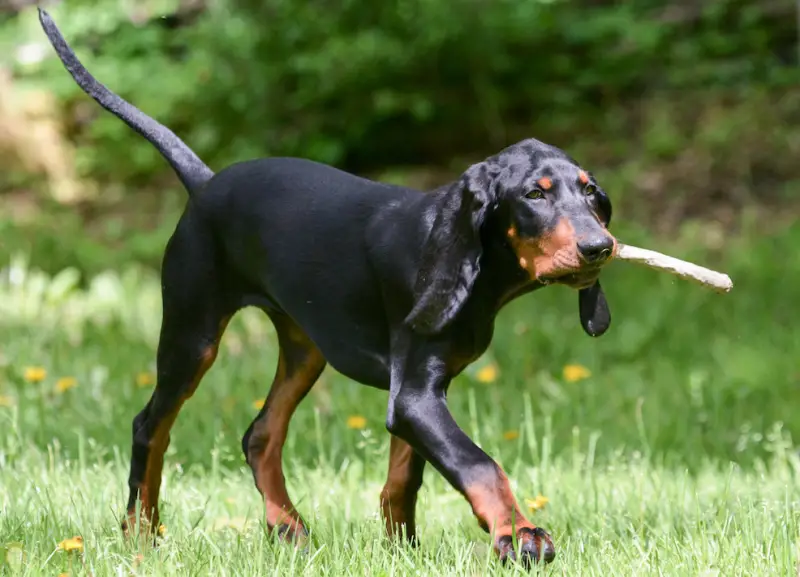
x=715, y=280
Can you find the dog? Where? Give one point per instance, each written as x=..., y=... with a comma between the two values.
x=395, y=288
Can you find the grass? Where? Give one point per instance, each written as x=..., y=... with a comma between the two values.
x=631, y=518
x=665, y=447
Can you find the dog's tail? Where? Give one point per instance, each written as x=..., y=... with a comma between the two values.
x=190, y=169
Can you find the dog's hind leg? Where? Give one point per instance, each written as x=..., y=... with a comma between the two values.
x=300, y=364
x=194, y=317
x=399, y=494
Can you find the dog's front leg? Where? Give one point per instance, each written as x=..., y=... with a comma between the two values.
x=419, y=415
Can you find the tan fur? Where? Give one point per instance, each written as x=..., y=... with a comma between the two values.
x=395, y=492
x=286, y=393
x=551, y=254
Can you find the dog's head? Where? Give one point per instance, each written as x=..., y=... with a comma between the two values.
x=554, y=217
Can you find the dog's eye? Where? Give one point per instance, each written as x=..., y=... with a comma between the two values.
x=535, y=194
x=589, y=189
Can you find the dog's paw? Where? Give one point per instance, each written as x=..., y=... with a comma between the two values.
x=534, y=544
x=293, y=533
x=133, y=527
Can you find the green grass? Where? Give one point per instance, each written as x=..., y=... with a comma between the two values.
x=675, y=456
x=630, y=518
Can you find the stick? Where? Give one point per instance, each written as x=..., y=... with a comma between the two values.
x=715, y=280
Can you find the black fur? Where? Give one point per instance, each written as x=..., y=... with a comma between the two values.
x=396, y=288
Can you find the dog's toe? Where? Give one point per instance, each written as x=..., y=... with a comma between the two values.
x=534, y=544
x=295, y=534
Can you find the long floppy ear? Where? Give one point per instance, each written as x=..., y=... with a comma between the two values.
x=592, y=304
x=450, y=260
x=594, y=311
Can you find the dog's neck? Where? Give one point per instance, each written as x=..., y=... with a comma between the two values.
x=501, y=279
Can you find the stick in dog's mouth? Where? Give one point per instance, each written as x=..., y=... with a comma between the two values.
x=715, y=280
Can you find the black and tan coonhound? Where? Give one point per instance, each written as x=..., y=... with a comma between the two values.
x=396, y=288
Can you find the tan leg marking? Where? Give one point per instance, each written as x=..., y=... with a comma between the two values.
x=265, y=448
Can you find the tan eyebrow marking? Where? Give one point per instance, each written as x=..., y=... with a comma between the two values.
x=545, y=183
x=584, y=177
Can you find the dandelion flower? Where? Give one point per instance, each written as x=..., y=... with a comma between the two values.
x=72, y=544
x=65, y=383
x=356, y=422
x=258, y=404
x=162, y=530
x=487, y=374
x=145, y=380
x=34, y=374
x=511, y=435
x=575, y=373
x=537, y=503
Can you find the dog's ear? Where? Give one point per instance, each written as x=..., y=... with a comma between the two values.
x=450, y=259
x=594, y=311
x=592, y=303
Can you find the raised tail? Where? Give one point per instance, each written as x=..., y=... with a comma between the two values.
x=190, y=169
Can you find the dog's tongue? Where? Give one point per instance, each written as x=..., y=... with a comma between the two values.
x=593, y=309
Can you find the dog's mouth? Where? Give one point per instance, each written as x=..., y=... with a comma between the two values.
x=576, y=279
x=560, y=265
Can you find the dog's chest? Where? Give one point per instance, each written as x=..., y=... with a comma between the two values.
x=469, y=341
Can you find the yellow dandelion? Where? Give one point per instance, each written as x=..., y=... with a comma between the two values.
x=145, y=379
x=162, y=530
x=511, y=435
x=63, y=575
x=537, y=503
x=34, y=374
x=65, y=383
x=575, y=373
x=258, y=404
x=72, y=544
x=356, y=422
x=6, y=401
x=487, y=374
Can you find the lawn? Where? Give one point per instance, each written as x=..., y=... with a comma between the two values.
x=630, y=518
x=664, y=447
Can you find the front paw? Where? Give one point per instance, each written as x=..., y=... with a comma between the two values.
x=143, y=528
x=294, y=533
x=534, y=543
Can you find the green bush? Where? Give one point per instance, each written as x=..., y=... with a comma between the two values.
x=367, y=84
x=681, y=111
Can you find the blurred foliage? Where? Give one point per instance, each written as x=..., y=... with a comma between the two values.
x=366, y=84
x=684, y=109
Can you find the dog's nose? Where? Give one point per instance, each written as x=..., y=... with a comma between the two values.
x=596, y=248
